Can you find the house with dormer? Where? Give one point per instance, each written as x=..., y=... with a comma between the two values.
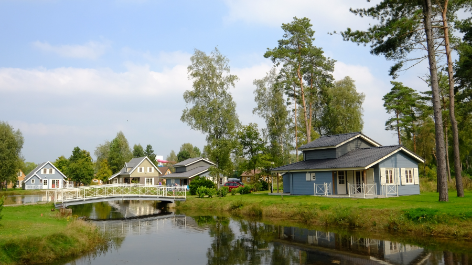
x=352, y=164
x=188, y=169
x=44, y=176
x=139, y=170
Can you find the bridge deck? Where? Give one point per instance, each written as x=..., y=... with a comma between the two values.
x=91, y=194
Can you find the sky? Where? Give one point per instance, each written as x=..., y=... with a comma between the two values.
x=74, y=73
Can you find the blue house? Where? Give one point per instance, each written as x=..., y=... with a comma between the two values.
x=352, y=164
x=44, y=176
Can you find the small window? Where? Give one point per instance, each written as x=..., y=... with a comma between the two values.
x=50, y=171
x=313, y=176
x=32, y=181
x=389, y=176
x=45, y=182
x=341, y=179
x=150, y=169
x=149, y=181
x=409, y=175
x=248, y=179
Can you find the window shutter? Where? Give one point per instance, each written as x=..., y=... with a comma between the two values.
x=382, y=176
x=403, y=175
x=397, y=176
x=313, y=176
x=415, y=176
x=53, y=171
x=307, y=176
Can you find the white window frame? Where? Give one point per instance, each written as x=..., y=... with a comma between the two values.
x=389, y=175
x=32, y=181
x=45, y=181
x=343, y=177
x=140, y=169
x=408, y=176
x=146, y=181
x=310, y=176
x=150, y=170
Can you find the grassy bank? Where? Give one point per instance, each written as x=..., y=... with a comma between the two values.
x=35, y=234
x=415, y=215
x=20, y=192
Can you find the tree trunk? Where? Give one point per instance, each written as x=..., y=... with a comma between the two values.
x=308, y=131
x=296, y=137
x=448, y=167
x=398, y=130
x=440, y=152
x=455, y=132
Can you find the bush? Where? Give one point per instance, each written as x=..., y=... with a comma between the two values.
x=234, y=191
x=422, y=215
x=210, y=192
x=200, y=182
x=201, y=191
x=257, y=186
x=223, y=191
x=245, y=189
x=264, y=185
x=236, y=204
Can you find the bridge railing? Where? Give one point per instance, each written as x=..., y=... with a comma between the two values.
x=116, y=190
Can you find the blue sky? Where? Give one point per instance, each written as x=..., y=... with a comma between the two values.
x=74, y=73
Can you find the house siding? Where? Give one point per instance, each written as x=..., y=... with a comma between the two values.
x=145, y=174
x=39, y=182
x=352, y=145
x=286, y=180
x=303, y=187
x=320, y=154
x=400, y=160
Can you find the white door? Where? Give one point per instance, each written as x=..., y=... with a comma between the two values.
x=341, y=182
x=45, y=184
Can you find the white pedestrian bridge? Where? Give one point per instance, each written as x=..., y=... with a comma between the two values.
x=111, y=192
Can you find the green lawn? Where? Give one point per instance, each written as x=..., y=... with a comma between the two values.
x=455, y=206
x=21, y=221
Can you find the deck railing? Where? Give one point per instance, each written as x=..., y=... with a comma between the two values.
x=116, y=190
x=323, y=189
x=389, y=189
x=362, y=189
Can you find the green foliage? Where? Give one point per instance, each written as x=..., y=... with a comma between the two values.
x=119, y=153
x=104, y=172
x=342, y=108
x=11, y=143
x=223, y=191
x=201, y=191
x=187, y=150
x=183, y=155
x=271, y=106
x=257, y=186
x=28, y=167
x=80, y=168
x=138, y=151
x=211, y=192
x=61, y=163
x=149, y=152
x=212, y=111
x=251, y=146
x=235, y=205
x=200, y=182
x=234, y=191
x=102, y=152
x=246, y=189
x=425, y=215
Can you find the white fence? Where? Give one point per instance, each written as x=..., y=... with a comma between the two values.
x=362, y=189
x=389, y=189
x=323, y=189
x=116, y=190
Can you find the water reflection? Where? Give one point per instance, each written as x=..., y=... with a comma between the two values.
x=119, y=209
x=24, y=199
x=180, y=239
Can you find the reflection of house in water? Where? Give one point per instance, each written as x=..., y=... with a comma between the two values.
x=349, y=249
x=135, y=208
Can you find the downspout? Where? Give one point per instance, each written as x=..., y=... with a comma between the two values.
x=291, y=183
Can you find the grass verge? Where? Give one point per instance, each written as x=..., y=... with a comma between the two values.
x=33, y=234
x=414, y=215
x=19, y=191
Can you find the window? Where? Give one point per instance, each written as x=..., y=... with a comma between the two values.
x=389, y=176
x=341, y=178
x=149, y=181
x=45, y=182
x=409, y=175
x=313, y=177
x=248, y=179
x=141, y=169
x=32, y=181
x=150, y=169
x=44, y=171
x=50, y=171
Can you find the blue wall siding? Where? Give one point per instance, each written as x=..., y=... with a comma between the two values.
x=401, y=160
x=286, y=183
x=303, y=187
x=320, y=154
x=37, y=181
x=352, y=145
x=57, y=175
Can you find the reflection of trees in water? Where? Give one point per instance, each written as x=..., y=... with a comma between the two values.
x=253, y=246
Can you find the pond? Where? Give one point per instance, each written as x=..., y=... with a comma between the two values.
x=145, y=233
x=25, y=199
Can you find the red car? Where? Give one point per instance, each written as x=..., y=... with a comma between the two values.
x=233, y=185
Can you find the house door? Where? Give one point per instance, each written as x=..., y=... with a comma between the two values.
x=341, y=188
x=358, y=181
x=55, y=184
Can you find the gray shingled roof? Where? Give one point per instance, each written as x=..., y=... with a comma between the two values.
x=188, y=174
x=331, y=140
x=34, y=170
x=190, y=161
x=355, y=159
x=133, y=163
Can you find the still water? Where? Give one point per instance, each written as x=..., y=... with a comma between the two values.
x=144, y=233
x=24, y=199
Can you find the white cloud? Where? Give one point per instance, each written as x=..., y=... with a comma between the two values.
x=160, y=59
x=324, y=14
x=90, y=50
